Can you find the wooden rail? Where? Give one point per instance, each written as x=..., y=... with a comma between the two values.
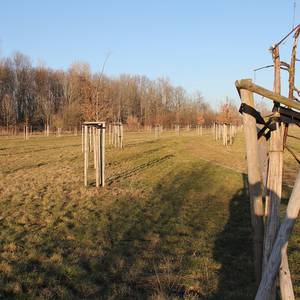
x=246, y=84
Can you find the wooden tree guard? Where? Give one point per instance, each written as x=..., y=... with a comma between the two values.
x=199, y=130
x=47, y=130
x=216, y=131
x=225, y=135
x=58, y=133
x=219, y=132
x=94, y=135
x=157, y=130
x=26, y=132
x=275, y=254
x=177, y=129
x=274, y=185
x=224, y=131
x=116, y=134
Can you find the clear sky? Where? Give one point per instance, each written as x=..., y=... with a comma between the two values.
x=204, y=45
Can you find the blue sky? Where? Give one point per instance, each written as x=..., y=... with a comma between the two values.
x=200, y=45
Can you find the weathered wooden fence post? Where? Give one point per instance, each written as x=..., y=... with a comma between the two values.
x=157, y=129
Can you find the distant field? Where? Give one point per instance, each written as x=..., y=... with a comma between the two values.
x=172, y=222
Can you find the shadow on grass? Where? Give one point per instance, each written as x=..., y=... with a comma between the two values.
x=137, y=169
x=234, y=250
x=149, y=247
x=161, y=249
x=167, y=246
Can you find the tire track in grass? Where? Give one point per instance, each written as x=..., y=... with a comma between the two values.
x=128, y=173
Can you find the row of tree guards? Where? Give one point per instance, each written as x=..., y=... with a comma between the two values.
x=225, y=133
x=198, y=128
x=27, y=132
x=93, y=141
x=115, y=131
x=158, y=129
x=266, y=139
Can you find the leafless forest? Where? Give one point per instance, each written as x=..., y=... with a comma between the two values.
x=39, y=96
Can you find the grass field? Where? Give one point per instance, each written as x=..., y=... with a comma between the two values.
x=172, y=222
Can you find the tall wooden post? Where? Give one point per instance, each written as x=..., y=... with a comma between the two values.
x=82, y=138
x=122, y=135
x=278, y=250
x=26, y=132
x=113, y=134
x=102, y=140
x=97, y=155
x=216, y=131
x=254, y=180
x=90, y=139
x=94, y=131
x=224, y=134
x=86, y=154
x=273, y=196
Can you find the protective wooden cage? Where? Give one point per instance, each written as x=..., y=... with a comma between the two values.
x=93, y=140
x=266, y=139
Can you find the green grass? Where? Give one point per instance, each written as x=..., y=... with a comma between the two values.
x=172, y=223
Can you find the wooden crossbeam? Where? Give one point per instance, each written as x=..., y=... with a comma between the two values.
x=246, y=84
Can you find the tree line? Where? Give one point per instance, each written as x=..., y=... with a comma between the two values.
x=39, y=96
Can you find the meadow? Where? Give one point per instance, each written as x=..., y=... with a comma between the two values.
x=173, y=221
